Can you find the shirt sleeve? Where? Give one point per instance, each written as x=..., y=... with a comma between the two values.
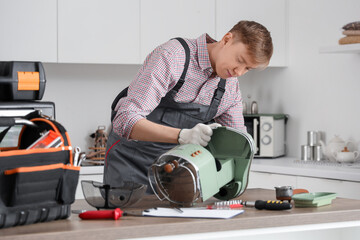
x=153, y=81
x=233, y=116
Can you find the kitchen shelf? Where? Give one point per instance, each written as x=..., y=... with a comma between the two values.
x=348, y=48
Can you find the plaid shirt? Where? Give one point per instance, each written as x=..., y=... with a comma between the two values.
x=159, y=74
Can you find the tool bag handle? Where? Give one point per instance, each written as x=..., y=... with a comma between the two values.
x=11, y=121
x=6, y=122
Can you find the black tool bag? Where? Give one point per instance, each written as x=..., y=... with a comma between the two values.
x=36, y=185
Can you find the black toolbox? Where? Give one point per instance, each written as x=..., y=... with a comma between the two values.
x=21, y=81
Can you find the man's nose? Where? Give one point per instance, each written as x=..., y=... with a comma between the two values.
x=240, y=71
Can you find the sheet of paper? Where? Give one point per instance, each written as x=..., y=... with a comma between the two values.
x=192, y=213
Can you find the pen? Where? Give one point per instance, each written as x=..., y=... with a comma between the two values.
x=178, y=210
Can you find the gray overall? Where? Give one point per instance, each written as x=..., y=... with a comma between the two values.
x=130, y=160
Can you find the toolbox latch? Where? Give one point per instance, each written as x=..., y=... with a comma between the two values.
x=28, y=81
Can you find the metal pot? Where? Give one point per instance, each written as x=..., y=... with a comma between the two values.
x=284, y=193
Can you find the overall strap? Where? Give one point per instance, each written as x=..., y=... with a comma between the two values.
x=215, y=102
x=219, y=92
x=178, y=85
x=186, y=65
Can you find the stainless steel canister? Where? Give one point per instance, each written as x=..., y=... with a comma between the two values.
x=316, y=153
x=254, y=107
x=313, y=138
x=305, y=152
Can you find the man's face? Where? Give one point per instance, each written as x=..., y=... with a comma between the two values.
x=232, y=59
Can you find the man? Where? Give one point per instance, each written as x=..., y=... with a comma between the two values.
x=183, y=85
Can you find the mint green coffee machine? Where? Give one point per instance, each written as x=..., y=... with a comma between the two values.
x=190, y=173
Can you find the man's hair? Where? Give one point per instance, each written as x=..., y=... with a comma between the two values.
x=257, y=39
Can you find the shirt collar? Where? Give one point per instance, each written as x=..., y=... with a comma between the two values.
x=203, y=54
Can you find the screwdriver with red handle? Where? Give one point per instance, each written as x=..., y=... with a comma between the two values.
x=103, y=214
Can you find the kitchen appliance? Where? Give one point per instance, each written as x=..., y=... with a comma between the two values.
x=101, y=195
x=191, y=173
x=268, y=132
x=19, y=109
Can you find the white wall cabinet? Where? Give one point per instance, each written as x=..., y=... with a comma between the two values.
x=99, y=31
x=28, y=30
x=345, y=189
x=162, y=20
x=124, y=31
x=272, y=14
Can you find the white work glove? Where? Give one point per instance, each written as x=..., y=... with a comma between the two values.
x=200, y=134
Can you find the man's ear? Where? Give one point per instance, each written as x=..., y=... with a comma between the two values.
x=227, y=38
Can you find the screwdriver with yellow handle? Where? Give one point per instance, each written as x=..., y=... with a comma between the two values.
x=268, y=205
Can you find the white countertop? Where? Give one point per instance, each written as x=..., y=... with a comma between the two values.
x=286, y=166
x=322, y=169
x=89, y=170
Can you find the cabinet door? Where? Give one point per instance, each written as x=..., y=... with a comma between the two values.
x=343, y=189
x=270, y=13
x=99, y=31
x=270, y=180
x=162, y=20
x=28, y=30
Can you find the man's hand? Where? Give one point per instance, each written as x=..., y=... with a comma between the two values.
x=200, y=134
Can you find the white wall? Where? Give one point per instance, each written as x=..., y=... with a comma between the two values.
x=318, y=91
x=83, y=94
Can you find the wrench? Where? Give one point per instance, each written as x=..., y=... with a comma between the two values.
x=77, y=151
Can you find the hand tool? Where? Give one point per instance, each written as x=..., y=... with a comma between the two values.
x=81, y=158
x=108, y=214
x=268, y=205
x=77, y=151
x=102, y=214
x=226, y=205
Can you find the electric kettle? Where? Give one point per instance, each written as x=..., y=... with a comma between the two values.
x=190, y=173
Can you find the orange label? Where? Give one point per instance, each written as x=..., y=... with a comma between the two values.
x=28, y=81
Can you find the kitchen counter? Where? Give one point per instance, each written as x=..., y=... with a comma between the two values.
x=322, y=169
x=342, y=212
x=287, y=166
